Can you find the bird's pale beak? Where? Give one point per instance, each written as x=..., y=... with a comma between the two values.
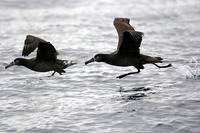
x=89, y=61
x=9, y=65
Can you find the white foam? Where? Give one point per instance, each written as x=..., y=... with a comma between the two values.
x=191, y=70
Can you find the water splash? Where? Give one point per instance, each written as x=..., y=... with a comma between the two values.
x=191, y=70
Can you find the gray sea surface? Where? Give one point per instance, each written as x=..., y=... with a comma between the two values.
x=90, y=99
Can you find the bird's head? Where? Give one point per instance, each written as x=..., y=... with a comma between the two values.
x=17, y=61
x=97, y=58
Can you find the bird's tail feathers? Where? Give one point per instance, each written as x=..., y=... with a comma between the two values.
x=149, y=59
x=68, y=63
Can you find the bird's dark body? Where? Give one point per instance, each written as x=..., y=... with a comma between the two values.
x=46, y=58
x=128, y=49
x=41, y=66
x=122, y=60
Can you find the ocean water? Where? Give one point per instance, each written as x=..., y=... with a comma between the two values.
x=88, y=99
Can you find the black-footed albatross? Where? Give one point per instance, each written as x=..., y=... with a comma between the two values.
x=128, y=51
x=46, y=59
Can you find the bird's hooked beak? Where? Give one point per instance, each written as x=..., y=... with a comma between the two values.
x=89, y=61
x=9, y=65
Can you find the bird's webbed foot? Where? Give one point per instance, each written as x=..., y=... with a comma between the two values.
x=169, y=65
x=124, y=75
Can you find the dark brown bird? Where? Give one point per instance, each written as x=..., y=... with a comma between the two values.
x=46, y=59
x=128, y=50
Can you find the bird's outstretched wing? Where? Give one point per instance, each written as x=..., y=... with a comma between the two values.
x=130, y=43
x=121, y=25
x=46, y=50
x=30, y=44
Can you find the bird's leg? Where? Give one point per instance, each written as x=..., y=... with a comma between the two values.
x=169, y=65
x=60, y=73
x=121, y=76
x=53, y=73
x=63, y=71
